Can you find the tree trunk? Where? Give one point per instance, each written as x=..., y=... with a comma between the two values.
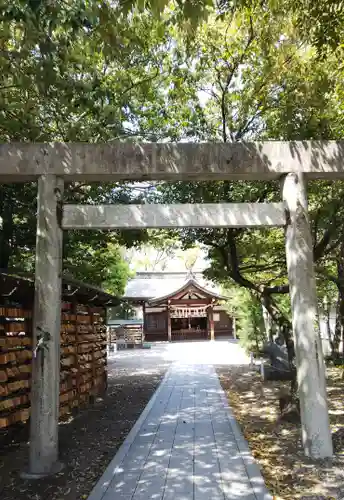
x=337, y=331
x=340, y=270
x=341, y=319
x=267, y=320
x=6, y=227
x=282, y=323
x=327, y=312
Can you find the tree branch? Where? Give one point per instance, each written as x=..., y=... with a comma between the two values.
x=278, y=289
x=140, y=82
x=328, y=276
x=224, y=89
x=232, y=263
x=320, y=248
x=245, y=126
x=263, y=267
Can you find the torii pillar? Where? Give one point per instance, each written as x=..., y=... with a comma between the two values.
x=316, y=434
x=45, y=388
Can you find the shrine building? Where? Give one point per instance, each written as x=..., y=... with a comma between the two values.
x=179, y=306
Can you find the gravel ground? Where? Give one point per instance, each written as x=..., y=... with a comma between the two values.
x=288, y=474
x=90, y=440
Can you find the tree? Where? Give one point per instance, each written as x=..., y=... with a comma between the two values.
x=321, y=23
x=244, y=306
x=76, y=71
x=103, y=266
x=260, y=85
x=156, y=254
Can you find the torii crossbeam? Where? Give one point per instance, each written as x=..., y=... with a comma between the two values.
x=172, y=161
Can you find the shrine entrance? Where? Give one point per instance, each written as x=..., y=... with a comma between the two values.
x=190, y=328
x=290, y=162
x=189, y=323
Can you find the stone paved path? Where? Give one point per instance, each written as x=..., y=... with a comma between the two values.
x=185, y=446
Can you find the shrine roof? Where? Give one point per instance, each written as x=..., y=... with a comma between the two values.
x=152, y=286
x=18, y=286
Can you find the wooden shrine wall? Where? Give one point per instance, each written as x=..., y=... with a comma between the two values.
x=155, y=326
x=224, y=326
x=83, y=358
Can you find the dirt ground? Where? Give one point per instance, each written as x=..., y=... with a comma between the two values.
x=277, y=446
x=87, y=442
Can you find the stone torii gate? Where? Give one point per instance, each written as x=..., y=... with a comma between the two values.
x=52, y=164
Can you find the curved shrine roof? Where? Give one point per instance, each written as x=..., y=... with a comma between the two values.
x=152, y=286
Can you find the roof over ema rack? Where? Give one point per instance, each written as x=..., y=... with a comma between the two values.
x=18, y=286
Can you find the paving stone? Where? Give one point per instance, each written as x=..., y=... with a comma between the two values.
x=180, y=465
x=124, y=483
x=187, y=447
x=160, y=451
x=179, y=487
x=148, y=495
x=138, y=457
x=154, y=469
x=150, y=486
x=180, y=495
x=111, y=495
x=208, y=491
x=166, y=433
x=238, y=494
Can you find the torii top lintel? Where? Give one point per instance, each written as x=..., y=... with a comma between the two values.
x=171, y=161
